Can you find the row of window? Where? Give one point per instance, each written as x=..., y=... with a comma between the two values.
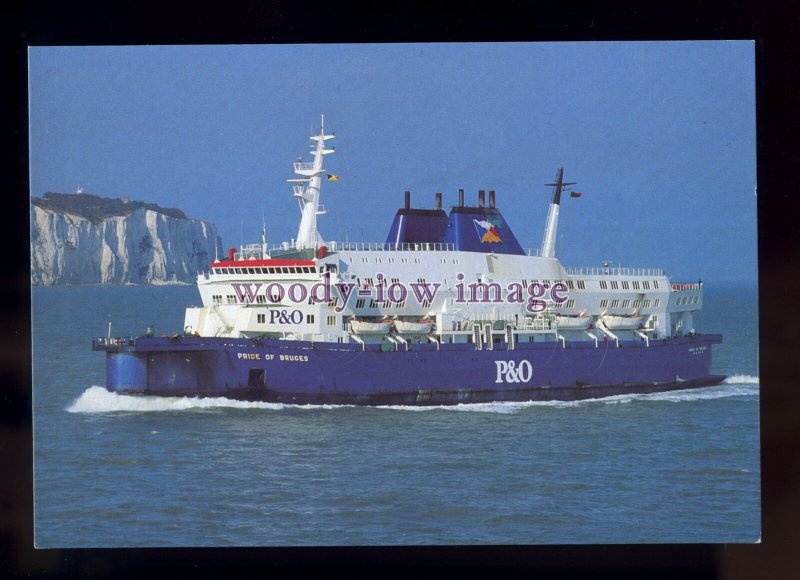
x=270, y=270
x=626, y=284
x=402, y=260
x=688, y=300
x=641, y=303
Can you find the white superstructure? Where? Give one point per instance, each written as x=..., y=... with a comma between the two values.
x=398, y=293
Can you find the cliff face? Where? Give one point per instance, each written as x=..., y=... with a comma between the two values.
x=144, y=245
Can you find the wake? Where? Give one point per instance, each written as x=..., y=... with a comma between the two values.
x=97, y=399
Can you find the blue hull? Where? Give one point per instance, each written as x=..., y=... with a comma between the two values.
x=329, y=373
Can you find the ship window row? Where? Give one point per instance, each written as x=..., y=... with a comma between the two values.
x=641, y=303
x=361, y=302
x=626, y=285
x=270, y=270
x=688, y=300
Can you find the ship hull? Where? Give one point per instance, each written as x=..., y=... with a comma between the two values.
x=299, y=372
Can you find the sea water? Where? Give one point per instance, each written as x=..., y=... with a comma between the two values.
x=114, y=471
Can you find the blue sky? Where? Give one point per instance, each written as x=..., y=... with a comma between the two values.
x=660, y=137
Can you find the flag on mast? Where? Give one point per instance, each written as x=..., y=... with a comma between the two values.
x=332, y=177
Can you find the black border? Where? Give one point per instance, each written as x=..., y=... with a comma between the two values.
x=775, y=31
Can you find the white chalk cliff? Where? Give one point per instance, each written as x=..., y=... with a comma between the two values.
x=74, y=240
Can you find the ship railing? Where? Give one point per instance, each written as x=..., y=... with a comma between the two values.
x=643, y=272
x=112, y=342
x=679, y=287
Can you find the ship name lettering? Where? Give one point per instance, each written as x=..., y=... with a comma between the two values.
x=509, y=371
x=294, y=357
x=286, y=317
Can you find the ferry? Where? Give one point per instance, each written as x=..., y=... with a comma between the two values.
x=449, y=309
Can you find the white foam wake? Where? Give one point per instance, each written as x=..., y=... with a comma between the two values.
x=741, y=380
x=98, y=400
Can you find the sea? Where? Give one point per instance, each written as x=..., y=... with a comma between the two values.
x=120, y=471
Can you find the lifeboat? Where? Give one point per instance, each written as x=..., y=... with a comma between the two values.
x=573, y=322
x=407, y=327
x=366, y=327
x=622, y=322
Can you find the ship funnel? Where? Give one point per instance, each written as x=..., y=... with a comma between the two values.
x=438, y=200
x=408, y=200
x=491, y=198
x=481, y=198
x=460, y=198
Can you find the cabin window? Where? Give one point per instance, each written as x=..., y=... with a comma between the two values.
x=647, y=303
x=581, y=285
x=309, y=319
x=571, y=303
x=401, y=304
x=636, y=285
x=614, y=303
x=231, y=299
x=284, y=270
x=373, y=303
x=426, y=303
x=334, y=302
x=570, y=285
x=261, y=318
x=625, y=285
x=261, y=299
x=360, y=303
x=217, y=298
x=655, y=283
x=604, y=304
x=603, y=284
x=657, y=302
x=614, y=285
x=626, y=303
x=331, y=320
x=646, y=285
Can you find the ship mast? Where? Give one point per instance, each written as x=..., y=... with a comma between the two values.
x=549, y=240
x=307, y=191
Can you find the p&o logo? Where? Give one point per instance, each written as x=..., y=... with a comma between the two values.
x=509, y=371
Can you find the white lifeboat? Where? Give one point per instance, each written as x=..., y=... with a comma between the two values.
x=622, y=322
x=366, y=327
x=580, y=322
x=407, y=327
